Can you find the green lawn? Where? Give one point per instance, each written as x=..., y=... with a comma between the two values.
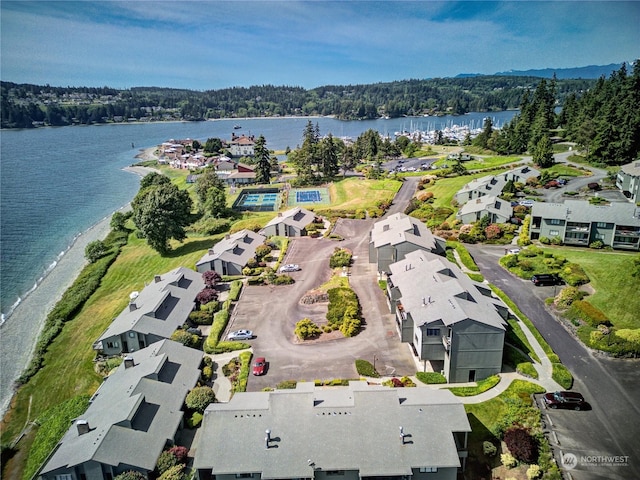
x=445, y=188
x=358, y=193
x=616, y=291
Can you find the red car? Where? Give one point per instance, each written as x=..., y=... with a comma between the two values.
x=259, y=366
x=571, y=400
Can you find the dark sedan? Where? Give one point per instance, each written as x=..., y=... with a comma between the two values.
x=570, y=400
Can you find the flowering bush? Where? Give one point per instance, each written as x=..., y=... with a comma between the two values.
x=206, y=295
x=493, y=231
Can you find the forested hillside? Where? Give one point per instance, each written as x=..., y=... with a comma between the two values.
x=26, y=106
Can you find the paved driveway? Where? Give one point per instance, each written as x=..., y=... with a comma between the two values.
x=272, y=312
x=611, y=386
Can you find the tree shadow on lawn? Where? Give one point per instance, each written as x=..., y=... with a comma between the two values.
x=191, y=247
x=480, y=465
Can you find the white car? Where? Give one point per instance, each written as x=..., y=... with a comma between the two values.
x=527, y=203
x=290, y=267
x=240, y=335
x=514, y=251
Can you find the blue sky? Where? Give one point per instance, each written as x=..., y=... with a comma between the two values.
x=205, y=45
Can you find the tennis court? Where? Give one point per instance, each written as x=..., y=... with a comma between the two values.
x=258, y=200
x=312, y=196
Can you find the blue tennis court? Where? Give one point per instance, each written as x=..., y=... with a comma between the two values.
x=260, y=200
x=306, y=196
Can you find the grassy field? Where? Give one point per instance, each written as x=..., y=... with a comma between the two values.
x=445, y=188
x=481, y=162
x=616, y=291
x=358, y=193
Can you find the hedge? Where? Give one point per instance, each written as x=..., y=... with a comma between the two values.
x=234, y=291
x=220, y=320
x=583, y=310
x=366, y=369
x=481, y=386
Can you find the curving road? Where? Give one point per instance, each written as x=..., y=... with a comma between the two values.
x=611, y=386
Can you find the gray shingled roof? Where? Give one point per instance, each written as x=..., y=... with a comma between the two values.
x=354, y=428
x=632, y=169
x=133, y=395
x=434, y=289
x=582, y=211
x=296, y=217
x=183, y=284
x=488, y=203
x=399, y=228
x=237, y=249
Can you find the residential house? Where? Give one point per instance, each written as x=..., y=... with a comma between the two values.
x=498, y=210
x=579, y=223
x=242, y=175
x=628, y=181
x=493, y=184
x=230, y=255
x=133, y=416
x=395, y=236
x=152, y=314
x=454, y=323
x=292, y=223
x=353, y=432
x=242, y=145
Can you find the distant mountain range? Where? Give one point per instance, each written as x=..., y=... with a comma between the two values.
x=590, y=71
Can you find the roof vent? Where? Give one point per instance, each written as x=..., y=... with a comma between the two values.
x=157, y=278
x=83, y=427
x=128, y=362
x=133, y=307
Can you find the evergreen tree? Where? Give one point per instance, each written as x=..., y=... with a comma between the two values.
x=329, y=154
x=543, y=153
x=210, y=190
x=263, y=161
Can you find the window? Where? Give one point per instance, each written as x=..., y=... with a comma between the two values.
x=334, y=472
x=599, y=236
x=428, y=469
x=433, y=332
x=244, y=475
x=132, y=334
x=112, y=344
x=554, y=221
x=554, y=233
x=64, y=476
x=602, y=225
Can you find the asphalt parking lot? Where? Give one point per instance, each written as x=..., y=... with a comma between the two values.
x=271, y=312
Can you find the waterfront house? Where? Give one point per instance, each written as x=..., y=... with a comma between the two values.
x=292, y=223
x=578, y=223
x=498, y=210
x=134, y=415
x=392, y=238
x=452, y=322
x=359, y=431
x=628, y=181
x=242, y=145
x=152, y=314
x=242, y=175
x=230, y=255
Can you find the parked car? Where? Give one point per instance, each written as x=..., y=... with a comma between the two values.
x=571, y=400
x=240, y=335
x=540, y=280
x=259, y=366
x=526, y=203
x=514, y=251
x=290, y=267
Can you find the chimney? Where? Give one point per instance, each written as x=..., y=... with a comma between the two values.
x=279, y=214
x=227, y=236
x=133, y=307
x=267, y=439
x=157, y=278
x=83, y=427
x=128, y=362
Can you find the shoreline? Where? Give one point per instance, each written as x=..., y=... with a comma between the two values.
x=22, y=326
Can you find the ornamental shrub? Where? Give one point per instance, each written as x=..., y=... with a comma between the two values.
x=185, y=338
x=567, y=296
x=130, y=475
x=174, y=473
x=508, y=460
x=522, y=445
x=597, y=244
x=166, y=460
x=199, y=398
x=211, y=278
x=533, y=472
x=206, y=295
x=583, y=310
x=489, y=449
x=305, y=329
x=204, y=317
x=341, y=257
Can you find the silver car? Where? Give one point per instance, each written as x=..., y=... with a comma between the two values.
x=240, y=335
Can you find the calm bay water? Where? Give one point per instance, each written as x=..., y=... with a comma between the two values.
x=56, y=183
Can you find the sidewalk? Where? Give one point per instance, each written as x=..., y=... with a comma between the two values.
x=221, y=384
